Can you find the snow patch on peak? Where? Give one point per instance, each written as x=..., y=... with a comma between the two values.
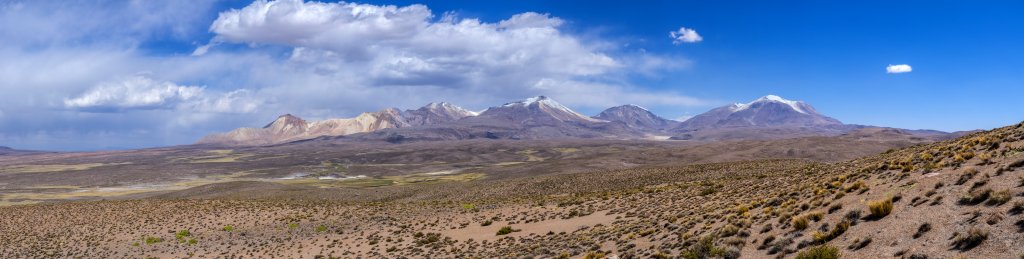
x=545, y=102
x=795, y=105
x=531, y=100
x=638, y=106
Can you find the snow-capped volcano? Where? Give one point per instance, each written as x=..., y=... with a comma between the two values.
x=435, y=113
x=767, y=111
x=534, y=107
x=795, y=105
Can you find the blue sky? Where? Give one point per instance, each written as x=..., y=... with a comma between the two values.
x=114, y=74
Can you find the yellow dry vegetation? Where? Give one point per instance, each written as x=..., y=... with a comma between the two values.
x=219, y=156
x=567, y=150
x=54, y=168
x=530, y=157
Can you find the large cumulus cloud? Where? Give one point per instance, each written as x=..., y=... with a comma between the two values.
x=87, y=71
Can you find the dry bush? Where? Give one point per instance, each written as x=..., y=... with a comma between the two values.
x=880, y=208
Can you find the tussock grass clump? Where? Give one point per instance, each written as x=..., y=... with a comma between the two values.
x=820, y=252
x=999, y=198
x=924, y=228
x=855, y=186
x=834, y=208
x=880, y=208
x=972, y=239
x=153, y=240
x=975, y=198
x=506, y=230
x=815, y=216
x=966, y=176
x=800, y=223
x=1018, y=208
x=820, y=237
x=859, y=243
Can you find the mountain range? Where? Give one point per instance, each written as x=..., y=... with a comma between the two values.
x=768, y=117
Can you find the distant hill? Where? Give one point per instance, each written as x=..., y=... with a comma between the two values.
x=768, y=117
x=638, y=118
x=288, y=127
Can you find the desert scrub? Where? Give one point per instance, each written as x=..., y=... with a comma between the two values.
x=1018, y=208
x=728, y=231
x=181, y=235
x=924, y=228
x=999, y=198
x=859, y=243
x=834, y=208
x=855, y=186
x=819, y=252
x=974, y=198
x=486, y=223
x=973, y=238
x=152, y=240
x=506, y=230
x=800, y=223
x=320, y=228
x=594, y=255
x=228, y=228
x=880, y=208
x=820, y=237
x=966, y=175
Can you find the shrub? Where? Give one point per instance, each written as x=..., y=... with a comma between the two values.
x=594, y=255
x=424, y=239
x=729, y=230
x=320, y=228
x=854, y=186
x=1018, y=208
x=153, y=240
x=881, y=208
x=229, y=228
x=800, y=223
x=975, y=198
x=922, y=229
x=486, y=223
x=834, y=208
x=966, y=175
x=815, y=216
x=823, y=237
x=859, y=243
x=704, y=248
x=973, y=238
x=999, y=198
x=708, y=191
x=506, y=230
x=819, y=252
x=181, y=235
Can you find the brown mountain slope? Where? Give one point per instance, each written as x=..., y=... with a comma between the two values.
x=885, y=205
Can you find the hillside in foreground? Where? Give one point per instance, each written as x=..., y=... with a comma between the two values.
x=961, y=197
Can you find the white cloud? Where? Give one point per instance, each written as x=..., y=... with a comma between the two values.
x=315, y=59
x=685, y=35
x=402, y=46
x=141, y=92
x=364, y=54
x=897, y=69
x=135, y=92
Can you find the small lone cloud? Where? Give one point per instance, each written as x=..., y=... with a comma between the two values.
x=898, y=69
x=685, y=35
